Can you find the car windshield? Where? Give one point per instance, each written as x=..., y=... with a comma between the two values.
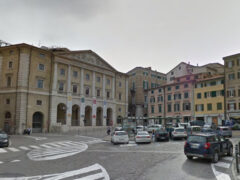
x=139, y=127
x=225, y=129
x=207, y=130
x=120, y=133
x=179, y=130
x=3, y=135
x=196, y=129
x=142, y=133
x=197, y=139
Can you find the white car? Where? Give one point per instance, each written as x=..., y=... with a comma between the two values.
x=119, y=137
x=179, y=133
x=154, y=127
x=139, y=128
x=142, y=137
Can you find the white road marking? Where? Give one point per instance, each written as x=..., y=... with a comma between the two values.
x=1, y=162
x=222, y=164
x=54, y=144
x=24, y=148
x=70, y=174
x=13, y=149
x=34, y=147
x=219, y=175
x=37, y=138
x=15, y=161
x=2, y=150
x=227, y=158
x=46, y=146
x=128, y=145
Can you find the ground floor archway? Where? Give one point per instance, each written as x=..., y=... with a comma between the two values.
x=99, y=117
x=88, y=116
x=61, y=113
x=75, y=115
x=37, y=122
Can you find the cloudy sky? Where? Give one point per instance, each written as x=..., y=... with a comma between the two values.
x=128, y=33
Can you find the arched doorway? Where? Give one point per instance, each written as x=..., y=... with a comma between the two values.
x=109, y=117
x=75, y=115
x=61, y=113
x=88, y=116
x=37, y=122
x=7, y=122
x=99, y=121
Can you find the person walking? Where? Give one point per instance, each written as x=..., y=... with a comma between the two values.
x=108, y=131
x=153, y=135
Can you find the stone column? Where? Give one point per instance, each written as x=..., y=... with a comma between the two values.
x=69, y=97
x=82, y=106
x=126, y=89
x=104, y=101
x=55, y=78
x=113, y=88
x=94, y=100
x=82, y=82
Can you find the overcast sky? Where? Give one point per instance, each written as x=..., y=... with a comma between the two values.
x=128, y=33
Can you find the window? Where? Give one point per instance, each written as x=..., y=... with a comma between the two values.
x=199, y=95
x=179, y=67
x=108, y=81
x=41, y=55
x=133, y=85
x=169, y=88
x=75, y=74
x=39, y=102
x=61, y=86
x=176, y=107
x=213, y=83
x=10, y=64
x=87, y=77
x=232, y=106
x=209, y=106
x=169, y=97
x=200, y=107
x=120, y=96
x=120, y=84
x=7, y=101
x=169, y=107
x=41, y=67
x=186, y=106
x=177, y=87
x=159, y=90
x=62, y=72
x=98, y=79
x=7, y=115
x=74, y=88
x=40, y=83
x=186, y=95
x=9, y=81
x=219, y=106
x=238, y=61
x=145, y=85
x=238, y=74
x=160, y=108
x=153, y=85
x=213, y=94
x=108, y=94
x=152, y=109
x=172, y=73
x=119, y=109
x=145, y=99
x=152, y=99
x=185, y=85
x=231, y=93
x=231, y=76
x=230, y=64
x=98, y=92
x=172, y=78
x=87, y=91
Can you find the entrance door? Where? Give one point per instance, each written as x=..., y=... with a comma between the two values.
x=37, y=122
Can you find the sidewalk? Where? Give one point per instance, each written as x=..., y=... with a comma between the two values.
x=236, y=175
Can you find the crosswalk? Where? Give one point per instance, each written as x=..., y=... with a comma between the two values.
x=57, y=144
x=94, y=172
x=221, y=168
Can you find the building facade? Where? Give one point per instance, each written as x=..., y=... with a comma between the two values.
x=140, y=80
x=56, y=89
x=209, y=99
x=232, y=86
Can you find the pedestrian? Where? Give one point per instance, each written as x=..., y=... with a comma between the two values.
x=108, y=131
x=153, y=135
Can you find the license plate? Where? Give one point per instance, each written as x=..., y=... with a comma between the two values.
x=195, y=146
x=121, y=139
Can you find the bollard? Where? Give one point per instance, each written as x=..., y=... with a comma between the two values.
x=236, y=155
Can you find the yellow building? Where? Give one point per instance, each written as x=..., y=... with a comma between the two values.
x=209, y=99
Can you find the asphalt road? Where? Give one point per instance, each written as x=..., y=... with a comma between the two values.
x=76, y=157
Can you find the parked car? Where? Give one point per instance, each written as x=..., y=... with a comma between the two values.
x=161, y=134
x=4, y=139
x=193, y=130
x=154, y=127
x=208, y=130
x=209, y=146
x=210, y=126
x=179, y=133
x=184, y=125
x=119, y=137
x=140, y=128
x=224, y=131
x=119, y=128
x=143, y=137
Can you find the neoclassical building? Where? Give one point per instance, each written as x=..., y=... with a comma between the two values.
x=52, y=89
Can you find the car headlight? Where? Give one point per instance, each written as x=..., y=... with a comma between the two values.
x=5, y=140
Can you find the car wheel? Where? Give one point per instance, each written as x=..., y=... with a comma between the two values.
x=190, y=157
x=230, y=151
x=215, y=157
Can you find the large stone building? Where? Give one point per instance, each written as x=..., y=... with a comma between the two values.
x=232, y=86
x=140, y=80
x=56, y=89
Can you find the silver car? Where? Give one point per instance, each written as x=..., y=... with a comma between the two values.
x=143, y=137
x=224, y=131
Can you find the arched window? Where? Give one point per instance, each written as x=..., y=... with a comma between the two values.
x=7, y=115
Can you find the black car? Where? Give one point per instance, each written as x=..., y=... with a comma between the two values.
x=161, y=134
x=208, y=146
x=4, y=140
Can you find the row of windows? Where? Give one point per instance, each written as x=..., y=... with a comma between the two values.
x=154, y=76
x=232, y=76
x=232, y=93
x=211, y=83
x=210, y=94
x=38, y=102
x=178, y=96
x=230, y=64
x=200, y=107
x=176, y=107
x=233, y=106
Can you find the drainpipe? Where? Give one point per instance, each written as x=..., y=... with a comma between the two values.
x=15, y=123
x=29, y=68
x=50, y=94
x=224, y=87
